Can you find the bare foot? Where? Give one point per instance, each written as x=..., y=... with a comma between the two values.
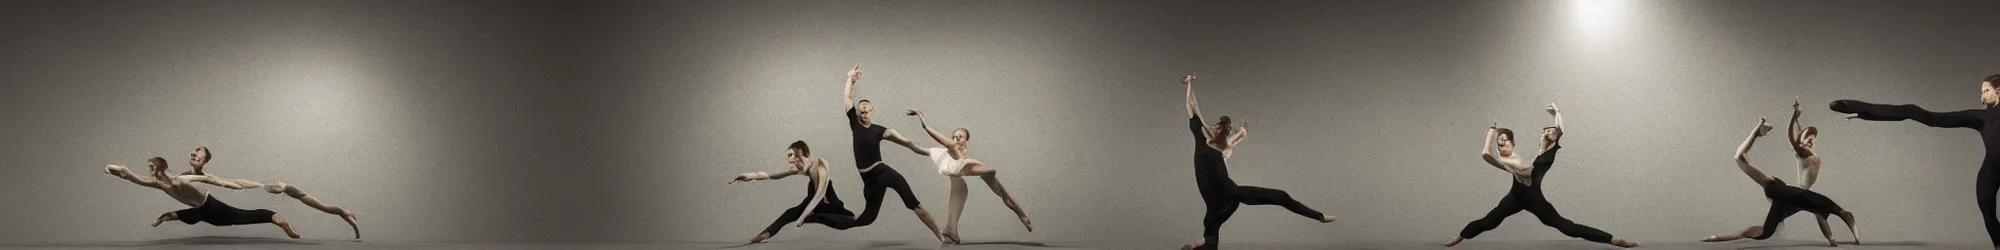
x=1848, y=217
x=1623, y=243
x=1454, y=241
x=761, y=238
x=1026, y=223
x=1200, y=242
x=1326, y=219
x=1762, y=128
x=350, y=223
x=952, y=238
x=1721, y=238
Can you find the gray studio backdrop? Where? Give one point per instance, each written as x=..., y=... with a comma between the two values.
x=557, y=121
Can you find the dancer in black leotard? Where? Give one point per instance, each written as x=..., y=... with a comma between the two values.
x=1786, y=200
x=877, y=177
x=1986, y=120
x=1526, y=194
x=1211, y=175
x=821, y=205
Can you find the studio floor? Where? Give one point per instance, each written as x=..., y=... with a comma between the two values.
x=219, y=242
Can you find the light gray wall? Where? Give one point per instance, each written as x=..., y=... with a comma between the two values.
x=621, y=121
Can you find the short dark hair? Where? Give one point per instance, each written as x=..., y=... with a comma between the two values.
x=157, y=161
x=801, y=146
x=1812, y=131
x=205, y=153
x=858, y=103
x=968, y=133
x=1507, y=132
x=1993, y=79
x=1223, y=122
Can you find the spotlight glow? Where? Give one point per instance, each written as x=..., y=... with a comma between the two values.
x=1596, y=19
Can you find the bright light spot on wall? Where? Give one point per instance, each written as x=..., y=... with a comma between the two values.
x=1599, y=19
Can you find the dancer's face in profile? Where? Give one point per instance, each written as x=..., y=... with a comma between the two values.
x=1806, y=140
x=1987, y=95
x=1217, y=131
x=794, y=157
x=865, y=110
x=1506, y=143
x=961, y=136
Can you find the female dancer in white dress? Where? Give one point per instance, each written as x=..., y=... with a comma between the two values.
x=954, y=163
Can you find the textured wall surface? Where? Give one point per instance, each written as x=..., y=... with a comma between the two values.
x=605, y=121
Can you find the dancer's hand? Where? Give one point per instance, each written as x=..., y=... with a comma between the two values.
x=1188, y=79
x=745, y=177
x=1495, y=125
x=854, y=74
x=1551, y=108
x=915, y=112
x=1795, y=105
x=113, y=169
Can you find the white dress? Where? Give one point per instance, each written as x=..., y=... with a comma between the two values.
x=946, y=165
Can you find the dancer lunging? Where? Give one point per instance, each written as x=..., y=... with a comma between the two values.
x=1526, y=193
x=199, y=160
x=1982, y=119
x=877, y=177
x=205, y=208
x=1220, y=194
x=821, y=205
x=955, y=163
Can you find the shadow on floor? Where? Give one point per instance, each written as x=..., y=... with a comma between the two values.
x=201, y=240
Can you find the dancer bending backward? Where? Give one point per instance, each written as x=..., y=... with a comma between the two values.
x=1986, y=120
x=1526, y=194
x=821, y=205
x=954, y=162
x=1211, y=175
x=877, y=177
x=1787, y=200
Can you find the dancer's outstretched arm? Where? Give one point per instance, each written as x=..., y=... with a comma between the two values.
x=126, y=174
x=760, y=175
x=1876, y=112
x=1559, y=127
x=939, y=137
x=897, y=137
x=237, y=184
x=818, y=180
x=1194, y=109
x=1793, y=131
x=847, y=95
x=1240, y=135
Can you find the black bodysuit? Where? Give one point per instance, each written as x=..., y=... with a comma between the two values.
x=1989, y=134
x=1222, y=195
x=830, y=212
x=1787, y=200
x=1529, y=197
x=880, y=178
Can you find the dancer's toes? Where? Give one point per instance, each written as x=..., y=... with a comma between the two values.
x=1454, y=241
x=1026, y=223
x=1200, y=242
x=1623, y=243
x=952, y=238
x=1326, y=218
